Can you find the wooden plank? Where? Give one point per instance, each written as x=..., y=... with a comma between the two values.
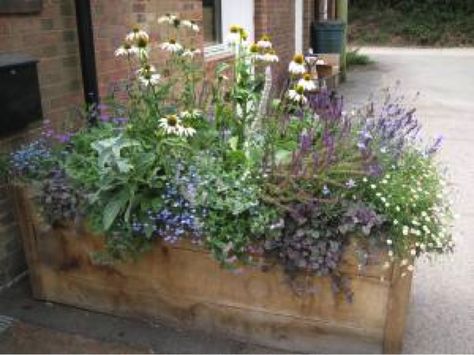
x=184, y=285
x=24, y=216
x=397, y=310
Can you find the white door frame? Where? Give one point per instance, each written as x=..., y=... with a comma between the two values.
x=299, y=32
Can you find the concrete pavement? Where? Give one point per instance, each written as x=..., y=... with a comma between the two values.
x=441, y=318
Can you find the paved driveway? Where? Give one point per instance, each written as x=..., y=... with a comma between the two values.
x=441, y=318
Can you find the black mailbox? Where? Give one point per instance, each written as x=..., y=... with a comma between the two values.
x=20, y=100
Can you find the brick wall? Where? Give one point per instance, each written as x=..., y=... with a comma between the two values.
x=50, y=37
x=277, y=19
x=113, y=21
x=12, y=261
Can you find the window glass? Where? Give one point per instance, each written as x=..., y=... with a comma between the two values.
x=212, y=19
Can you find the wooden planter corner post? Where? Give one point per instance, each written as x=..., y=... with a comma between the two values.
x=183, y=285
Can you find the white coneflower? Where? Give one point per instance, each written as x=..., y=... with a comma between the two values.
x=190, y=25
x=186, y=131
x=264, y=42
x=137, y=35
x=168, y=19
x=149, y=79
x=307, y=82
x=191, y=53
x=297, y=65
x=126, y=49
x=171, y=46
x=190, y=115
x=235, y=35
x=146, y=69
x=297, y=95
x=170, y=124
x=269, y=57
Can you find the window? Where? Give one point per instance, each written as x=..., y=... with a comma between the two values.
x=219, y=15
x=212, y=22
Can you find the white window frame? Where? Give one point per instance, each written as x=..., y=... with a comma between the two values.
x=299, y=29
x=239, y=12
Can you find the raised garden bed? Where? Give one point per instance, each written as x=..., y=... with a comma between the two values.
x=305, y=219
x=184, y=285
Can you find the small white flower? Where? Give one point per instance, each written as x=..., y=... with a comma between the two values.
x=297, y=65
x=350, y=184
x=297, y=95
x=264, y=43
x=191, y=53
x=405, y=230
x=390, y=253
x=373, y=187
x=397, y=208
x=410, y=268
x=404, y=262
x=389, y=242
x=126, y=50
x=171, y=46
x=413, y=252
x=395, y=222
x=307, y=82
x=149, y=79
x=191, y=25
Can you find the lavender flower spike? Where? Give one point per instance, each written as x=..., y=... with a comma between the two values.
x=436, y=146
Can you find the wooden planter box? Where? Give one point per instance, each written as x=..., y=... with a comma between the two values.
x=183, y=285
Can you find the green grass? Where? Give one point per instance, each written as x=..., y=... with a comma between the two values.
x=353, y=58
x=421, y=25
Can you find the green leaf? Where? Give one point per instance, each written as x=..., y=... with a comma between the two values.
x=113, y=208
x=233, y=142
x=222, y=67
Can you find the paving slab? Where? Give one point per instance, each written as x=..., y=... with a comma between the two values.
x=22, y=338
x=97, y=329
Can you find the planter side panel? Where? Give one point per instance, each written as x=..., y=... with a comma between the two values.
x=184, y=285
x=187, y=287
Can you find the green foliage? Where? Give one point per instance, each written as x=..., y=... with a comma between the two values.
x=353, y=58
x=424, y=22
x=409, y=196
